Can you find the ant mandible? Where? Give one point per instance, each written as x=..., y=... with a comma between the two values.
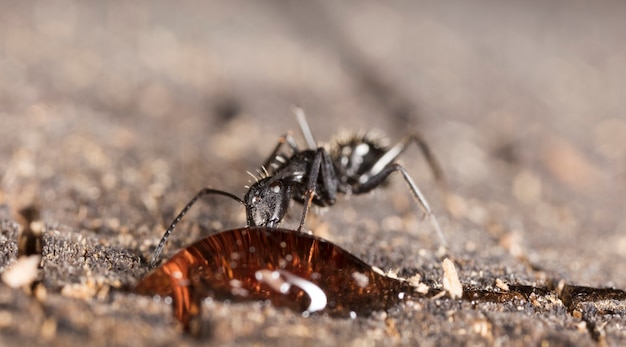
x=315, y=176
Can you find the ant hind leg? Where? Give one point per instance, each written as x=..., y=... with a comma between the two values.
x=430, y=159
x=394, y=152
x=379, y=178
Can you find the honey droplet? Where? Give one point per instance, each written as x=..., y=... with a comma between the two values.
x=290, y=269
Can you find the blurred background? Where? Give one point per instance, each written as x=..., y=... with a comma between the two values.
x=112, y=113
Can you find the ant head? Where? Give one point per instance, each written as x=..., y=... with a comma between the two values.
x=267, y=201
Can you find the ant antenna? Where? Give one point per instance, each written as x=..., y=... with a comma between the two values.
x=166, y=235
x=304, y=127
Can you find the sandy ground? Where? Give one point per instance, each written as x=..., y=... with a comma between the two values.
x=113, y=115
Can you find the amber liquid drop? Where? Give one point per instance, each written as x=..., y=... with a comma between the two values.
x=290, y=269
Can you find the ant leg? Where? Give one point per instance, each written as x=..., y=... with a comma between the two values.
x=166, y=235
x=374, y=181
x=394, y=152
x=430, y=158
x=304, y=127
x=285, y=139
x=308, y=198
x=321, y=162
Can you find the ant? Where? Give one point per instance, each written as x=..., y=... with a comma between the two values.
x=315, y=176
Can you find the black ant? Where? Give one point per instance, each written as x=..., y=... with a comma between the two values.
x=315, y=175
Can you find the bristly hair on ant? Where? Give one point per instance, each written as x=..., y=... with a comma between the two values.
x=352, y=165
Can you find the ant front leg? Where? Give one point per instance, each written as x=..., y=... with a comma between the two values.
x=328, y=192
x=376, y=180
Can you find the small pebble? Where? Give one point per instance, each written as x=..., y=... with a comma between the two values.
x=22, y=272
x=451, y=281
